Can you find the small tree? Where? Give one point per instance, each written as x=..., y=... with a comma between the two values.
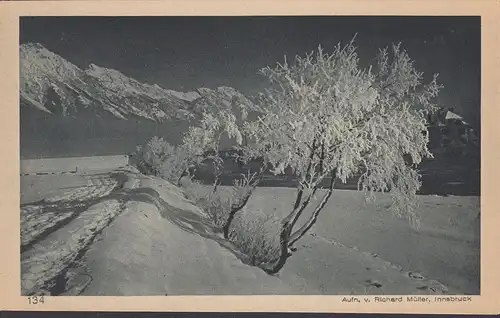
x=205, y=139
x=326, y=117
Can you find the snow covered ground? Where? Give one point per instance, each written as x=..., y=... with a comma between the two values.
x=446, y=247
x=121, y=233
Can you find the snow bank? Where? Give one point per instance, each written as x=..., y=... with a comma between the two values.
x=158, y=251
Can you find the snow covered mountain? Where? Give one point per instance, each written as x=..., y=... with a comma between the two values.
x=68, y=111
x=52, y=84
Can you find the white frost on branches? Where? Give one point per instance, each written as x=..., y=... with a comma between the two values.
x=326, y=113
x=207, y=135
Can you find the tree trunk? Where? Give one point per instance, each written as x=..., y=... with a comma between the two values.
x=232, y=214
x=286, y=230
x=216, y=174
x=301, y=192
x=287, y=239
x=274, y=267
x=184, y=173
x=288, y=222
x=235, y=209
x=304, y=228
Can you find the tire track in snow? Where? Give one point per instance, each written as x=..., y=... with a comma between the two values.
x=50, y=252
x=96, y=187
x=44, y=217
x=48, y=258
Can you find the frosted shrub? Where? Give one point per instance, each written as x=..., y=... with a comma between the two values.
x=218, y=208
x=194, y=190
x=157, y=157
x=255, y=234
x=214, y=203
x=326, y=117
x=222, y=203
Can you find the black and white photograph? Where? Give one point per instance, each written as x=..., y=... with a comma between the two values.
x=250, y=155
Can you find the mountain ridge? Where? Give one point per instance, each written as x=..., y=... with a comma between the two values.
x=70, y=111
x=52, y=84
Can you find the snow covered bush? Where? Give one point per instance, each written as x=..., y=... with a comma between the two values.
x=216, y=204
x=255, y=234
x=327, y=118
x=158, y=157
x=220, y=204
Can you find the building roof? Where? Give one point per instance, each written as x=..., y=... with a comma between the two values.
x=452, y=115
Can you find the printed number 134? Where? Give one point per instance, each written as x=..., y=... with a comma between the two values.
x=34, y=300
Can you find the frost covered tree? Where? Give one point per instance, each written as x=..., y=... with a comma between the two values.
x=204, y=142
x=327, y=118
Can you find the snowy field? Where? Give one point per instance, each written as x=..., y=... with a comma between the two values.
x=75, y=228
x=72, y=164
x=446, y=247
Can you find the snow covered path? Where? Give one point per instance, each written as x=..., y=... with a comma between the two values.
x=41, y=217
x=56, y=230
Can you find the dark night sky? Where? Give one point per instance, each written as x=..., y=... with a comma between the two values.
x=183, y=53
